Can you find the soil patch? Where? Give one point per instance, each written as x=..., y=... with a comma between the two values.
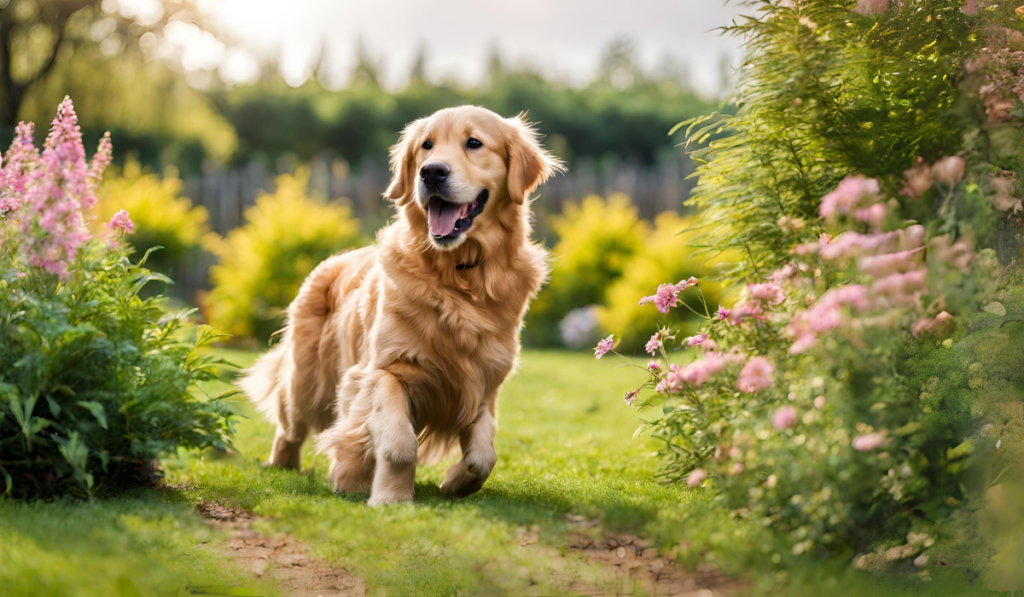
x=637, y=568
x=283, y=559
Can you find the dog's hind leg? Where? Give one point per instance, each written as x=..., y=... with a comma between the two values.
x=295, y=382
x=267, y=385
x=347, y=443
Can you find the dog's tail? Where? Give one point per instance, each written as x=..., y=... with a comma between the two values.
x=266, y=382
x=295, y=365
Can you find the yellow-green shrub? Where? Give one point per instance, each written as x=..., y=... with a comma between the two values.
x=263, y=262
x=597, y=238
x=665, y=257
x=162, y=218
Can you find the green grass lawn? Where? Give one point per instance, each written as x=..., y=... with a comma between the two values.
x=564, y=447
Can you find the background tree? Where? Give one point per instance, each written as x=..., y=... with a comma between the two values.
x=121, y=63
x=36, y=34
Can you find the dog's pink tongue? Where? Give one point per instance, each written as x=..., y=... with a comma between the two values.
x=442, y=217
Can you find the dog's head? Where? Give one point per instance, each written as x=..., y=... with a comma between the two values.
x=461, y=164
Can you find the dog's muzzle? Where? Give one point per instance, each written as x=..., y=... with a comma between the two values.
x=448, y=220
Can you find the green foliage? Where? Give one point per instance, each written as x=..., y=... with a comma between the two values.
x=262, y=264
x=868, y=432
x=162, y=218
x=613, y=118
x=902, y=445
x=825, y=91
x=664, y=257
x=94, y=384
x=597, y=239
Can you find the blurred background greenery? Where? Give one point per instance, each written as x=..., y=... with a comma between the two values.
x=230, y=118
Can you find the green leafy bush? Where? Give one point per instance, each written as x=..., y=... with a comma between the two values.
x=860, y=397
x=262, y=263
x=596, y=240
x=162, y=217
x=94, y=384
x=836, y=400
x=666, y=254
x=824, y=91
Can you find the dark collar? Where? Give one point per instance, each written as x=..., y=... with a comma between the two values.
x=462, y=266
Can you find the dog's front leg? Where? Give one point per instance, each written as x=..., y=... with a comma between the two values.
x=394, y=441
x=478, y=455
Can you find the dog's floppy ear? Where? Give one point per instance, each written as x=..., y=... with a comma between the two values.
x=529, y=164
x=403, y=166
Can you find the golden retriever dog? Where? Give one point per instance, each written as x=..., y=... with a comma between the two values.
x=397, y=350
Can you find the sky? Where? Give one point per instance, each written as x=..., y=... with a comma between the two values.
x=561, y=37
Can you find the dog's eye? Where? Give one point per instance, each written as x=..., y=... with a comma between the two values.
x=428, y=144
x=473, y=143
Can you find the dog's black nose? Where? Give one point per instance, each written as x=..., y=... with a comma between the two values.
x=434, y=174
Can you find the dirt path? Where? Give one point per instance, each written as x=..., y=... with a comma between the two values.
x=640, y=569
x=637, y=568
x=284, y=559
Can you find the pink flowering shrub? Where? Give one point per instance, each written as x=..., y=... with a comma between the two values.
x=93, y=383
x=786, y=399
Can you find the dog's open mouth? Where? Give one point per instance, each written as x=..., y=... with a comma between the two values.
x=448, y=220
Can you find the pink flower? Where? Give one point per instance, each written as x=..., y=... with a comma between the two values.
x=744, y=310
x=56, y=193
x=665, y=298
x=100, y=161
x=604, y=346
x=653, y=344
x=871, y=7
x=696, y=477
x=819, y=402
x=689, y=282
x=782, y=274
x=19, y=164
x=873, y=215
x=803, y=339
x=631, y=396
x=917, y=179
x=756, y=375
x=940, y=324
x=769, y=293
x=784, y=418
x=826, y=315
x=949, y=170
x=883, y=265
x=698, y=372
x=723, y=313
x=696, y=340
x=9, y=204
x=870, y=441
x=737, y=468
x=121, y=221
x=850, y=191
x=900, y=290
x=653, y=366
